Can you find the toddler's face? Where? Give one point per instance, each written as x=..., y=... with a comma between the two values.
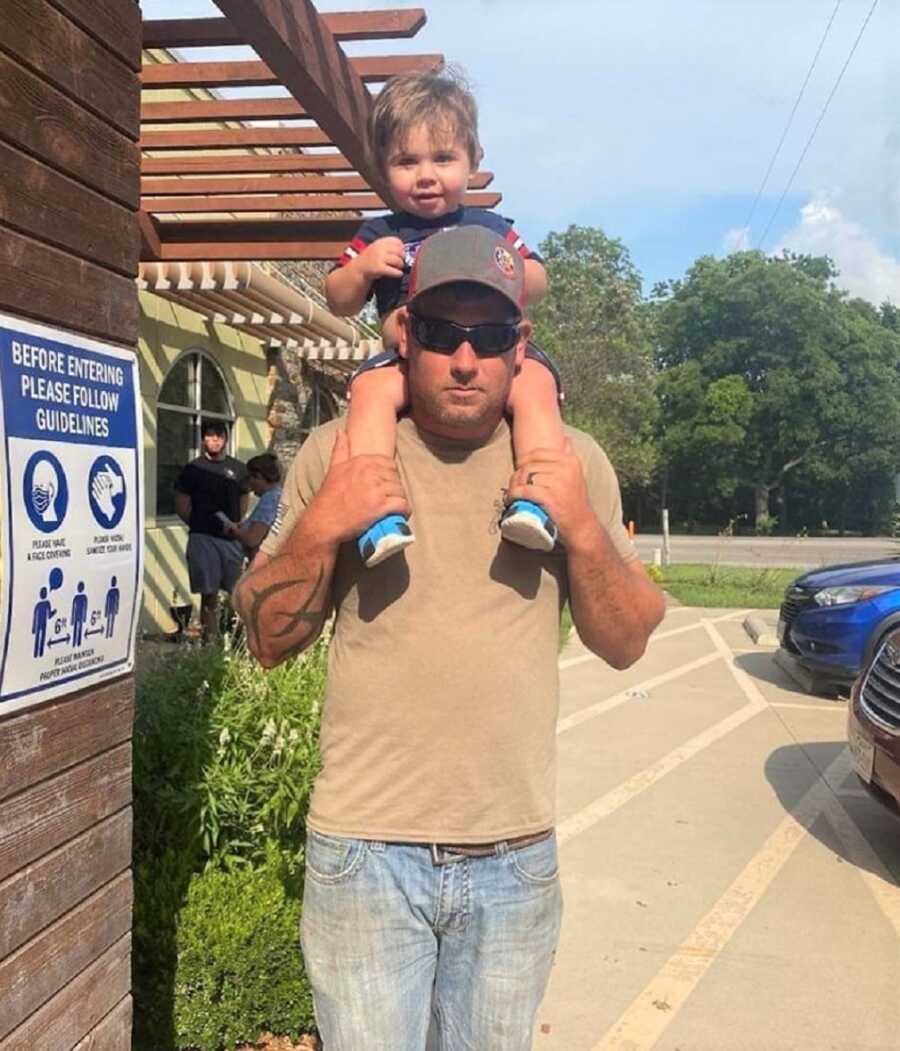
x=428, y=177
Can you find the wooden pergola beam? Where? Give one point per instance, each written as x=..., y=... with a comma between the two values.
x=344, y=25
x=368, y=70
x=256, y=231
x=221, y=109
x=150, y=243
x=308, y=202
x=316, y=238
x=245, y=164
x=233, y=138
x=275, y=184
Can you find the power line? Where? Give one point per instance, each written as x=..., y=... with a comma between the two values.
x=790, y=119
x=809, y=141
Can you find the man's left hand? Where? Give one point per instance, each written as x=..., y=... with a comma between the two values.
x=554, y=479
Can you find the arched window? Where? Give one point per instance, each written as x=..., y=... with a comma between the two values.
x=193, y=391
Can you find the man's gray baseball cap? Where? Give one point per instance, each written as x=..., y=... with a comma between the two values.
x=468, y=253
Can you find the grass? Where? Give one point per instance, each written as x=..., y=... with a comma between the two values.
x=565, y=625
x=715, y=586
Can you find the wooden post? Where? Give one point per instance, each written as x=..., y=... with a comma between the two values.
x=69, y=249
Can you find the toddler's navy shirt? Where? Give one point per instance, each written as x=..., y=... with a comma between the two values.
x=391, y=292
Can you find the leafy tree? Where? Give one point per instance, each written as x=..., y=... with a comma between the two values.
x=811, y=379
x=889, y=316
x=592, y=321
x=706, y=423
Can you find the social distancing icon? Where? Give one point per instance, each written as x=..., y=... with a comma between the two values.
x=44, y=612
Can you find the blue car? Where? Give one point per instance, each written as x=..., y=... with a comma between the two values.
x=833, y=619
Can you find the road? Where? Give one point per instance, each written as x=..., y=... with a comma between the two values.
x=799, y=552
x=728, y=885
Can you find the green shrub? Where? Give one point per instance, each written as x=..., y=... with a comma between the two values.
x=766, y=524
x=175, y=693
x=239, y=966
x=225, y=754
x=257, y=781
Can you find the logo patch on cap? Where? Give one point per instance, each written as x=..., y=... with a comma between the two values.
x=504, y=260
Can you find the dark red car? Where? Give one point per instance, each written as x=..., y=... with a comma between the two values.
x=873, y=729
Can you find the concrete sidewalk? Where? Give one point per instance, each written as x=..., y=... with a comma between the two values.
x=727, y=883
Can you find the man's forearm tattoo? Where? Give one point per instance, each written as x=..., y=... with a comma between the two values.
x=311, y=611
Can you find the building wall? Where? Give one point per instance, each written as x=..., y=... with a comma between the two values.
x=167, y=331
x=69, y=244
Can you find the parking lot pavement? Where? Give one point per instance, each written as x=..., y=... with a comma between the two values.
x=728, y=885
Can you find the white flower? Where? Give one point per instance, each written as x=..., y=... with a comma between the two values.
x=224, y=737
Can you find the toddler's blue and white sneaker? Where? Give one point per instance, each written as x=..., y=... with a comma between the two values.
x=528, y=524
x=384, y=538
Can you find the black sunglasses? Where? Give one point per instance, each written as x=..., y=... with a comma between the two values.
x=487, y=340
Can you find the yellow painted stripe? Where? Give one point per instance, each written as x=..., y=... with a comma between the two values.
x=583, y=658
x=643, y=1023
x=837, y=709
x=583, y=714
x=871, y=868
x=644, y=779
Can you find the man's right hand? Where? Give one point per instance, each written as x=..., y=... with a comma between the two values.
x=382, y=258
x=356, y=492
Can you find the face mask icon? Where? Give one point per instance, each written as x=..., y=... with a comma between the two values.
x=45, y=491
x=44, y=487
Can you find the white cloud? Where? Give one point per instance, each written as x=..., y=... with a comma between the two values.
x=865, y=269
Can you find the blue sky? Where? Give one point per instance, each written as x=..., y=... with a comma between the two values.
x=656, y=121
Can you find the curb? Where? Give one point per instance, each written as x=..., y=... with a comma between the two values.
x=810, y=684
x=759, y=631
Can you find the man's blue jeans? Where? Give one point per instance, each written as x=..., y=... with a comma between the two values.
x=408, y=955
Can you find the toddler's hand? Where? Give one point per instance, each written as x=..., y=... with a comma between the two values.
x=383, y=258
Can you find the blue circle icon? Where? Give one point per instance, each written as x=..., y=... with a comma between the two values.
x=106, y=492
x=45, y=491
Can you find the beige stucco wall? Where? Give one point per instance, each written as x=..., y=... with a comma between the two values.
x=168, y=331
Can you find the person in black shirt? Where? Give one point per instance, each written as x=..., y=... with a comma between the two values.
x=211, y=493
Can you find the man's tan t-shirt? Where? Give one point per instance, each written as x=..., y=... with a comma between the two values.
x=439, y=721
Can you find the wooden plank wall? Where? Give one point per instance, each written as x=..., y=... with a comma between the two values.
x=69, y=249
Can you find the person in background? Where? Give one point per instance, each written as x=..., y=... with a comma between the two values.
x=264, y=475
x=212, y=490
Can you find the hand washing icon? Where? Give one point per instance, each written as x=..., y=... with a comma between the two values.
x=105, y=486
x=106, y=491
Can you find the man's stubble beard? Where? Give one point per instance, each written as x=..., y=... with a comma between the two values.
x=436, y=407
